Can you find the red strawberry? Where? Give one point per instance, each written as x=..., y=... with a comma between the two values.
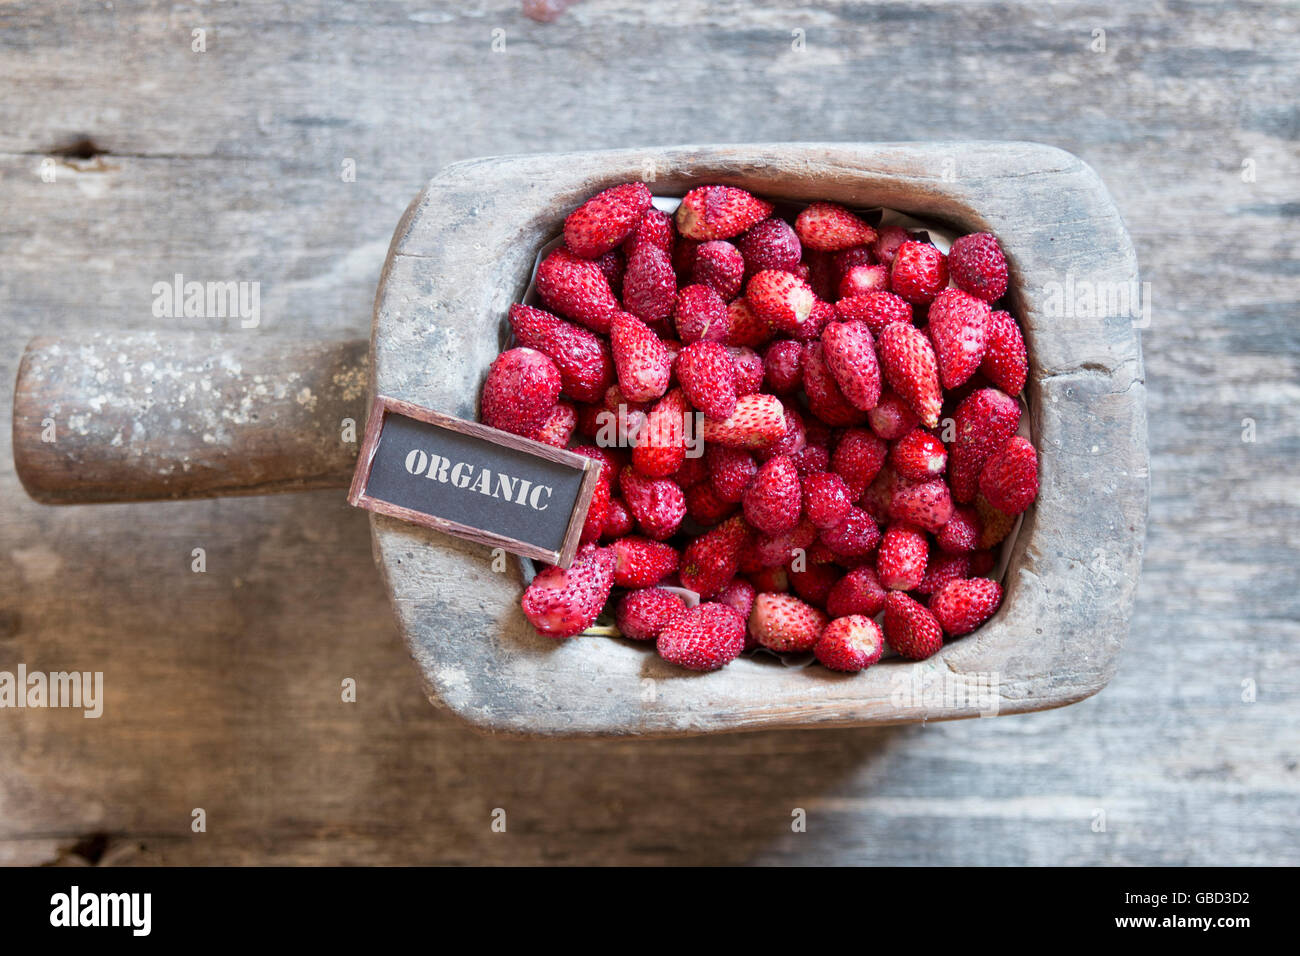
x=876, y=309
x=757, y=421
x=826, y=227
x=692, y=472
x=850, y=644
x=850, y=354
x=978, y=266
x=982, y=563
x=720, y=266
x=560, y=602
x=773, y=579
x=712, y=560
x=642, y=615
x=640, y=562
x=703, y=638
x=657, y=504
x=559, y=425
x=708, y=377
x=704, y=506
x=818, y=270
x=826, y=499
x=911, y=630
x=649, y=285
x=962, y=606
x=781, y=299
x=864, y=280
x=847, y=259
x=661, y=446
x=961, y=534
x=910, y=367
x=854, y=537
x=919, y=271
x=983, y=422
x=878, y=497
x=719, y=212
x=586, y=369
x=926, y=504
x=814, y=581
x=520, y=392
x=618, y=520
x=700, y=314
x=744, y=327
x=858, y=459
x=749, y=369
x=822, y=314
x=773, y=501
x=900, y=565
x=918, y=455
x=613, y=265
x=643, y=363
x=1009, y=480
x=738, y=595
x=770, y=244
x=576, y=288
x=811, y=460
x=1005, y=363
x=593, y=526
x=791, y=441
x=887, y=243
x=825, y=400
x=731, y=470
x=782, y=622
x=959, y=329
x=858, y=592
x=892, y=418
x=783, y=366
x=606, y=219
x=941, y=569
x=655, y=228
x=995, y=525
x=776, y=549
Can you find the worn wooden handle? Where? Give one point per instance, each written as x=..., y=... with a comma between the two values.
x=142, y=416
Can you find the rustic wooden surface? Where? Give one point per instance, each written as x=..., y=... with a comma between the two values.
x=223, y=688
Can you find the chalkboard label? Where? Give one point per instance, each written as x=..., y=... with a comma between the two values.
x=473, y=481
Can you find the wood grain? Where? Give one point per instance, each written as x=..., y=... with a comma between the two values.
x=223, y=688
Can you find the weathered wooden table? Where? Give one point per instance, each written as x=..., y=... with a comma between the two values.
x=284, y=152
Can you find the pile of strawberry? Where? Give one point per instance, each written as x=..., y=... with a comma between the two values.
x=820, y=359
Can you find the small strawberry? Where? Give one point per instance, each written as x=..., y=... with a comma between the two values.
x=640, y=562
x=593, y=526
x=995, y=525
x=876, y=309
x=909, y=364
x=961, y=534
x=1005, y=362
x=847, y=259
x=827, y=227
x=892, y=418
x=818, y=270
x=1009, y=479
x=858, y=458
x=649, y=285
x=561, y=602
x=781, y=299
x=919, y=271
x=854, y=537
x=959, y=329
x=656, y=228
x=900, y=565
x=618, y=520
x=978, y=266
x=700, y=315
x=825, y=399
x=731, y=471
x=642, y=615
x=774, y=579
x=559, y=426
x=606, y=219
x=703, y=638
x=520, y=392
x=864, y=280
x=926, y=504
x=814, y=580
x=773, y=501
x=858, y=592
x=738, y=595
x=982, y=563
x=791, y=441
x=704, y=506
x=962, y=606
x=887, y=243
x=826, y=499
x=692, y=471
x=782, y=622
x=941, y=569
x=879, y=496
x=661, y=447
x=749, y=369
x=822, y=314
x=811, y=460
x=719, y=265
x=850, y=644
x=850, y=354
x=576, y=288
x=783, y=366
x=910, y=629
x=744, y=326
x=657, y=504
x=712, y=560
x=586, y=368
x=613, y=266
x=643, y=363
x=983, y=422
x=719, y=212
x=708, y=377
x=758, y=421
x=776, y=549
x=918, y=455
x=770, y=244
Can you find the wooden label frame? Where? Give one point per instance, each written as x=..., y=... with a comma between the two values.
x=528, y=460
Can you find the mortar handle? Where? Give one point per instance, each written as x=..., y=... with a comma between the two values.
x=144, y=416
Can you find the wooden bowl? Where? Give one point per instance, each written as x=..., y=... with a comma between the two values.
x=463, y=253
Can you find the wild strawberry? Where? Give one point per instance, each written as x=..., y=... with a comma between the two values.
x=772, y=502
x=863, y=280
x=879, y=496
x=995, y=525
x=593, y=526
x=576, y=288
x=910, y=367
x=811, y=460
x=782, y=300
x=910, y=629
x=782, y=622
x=606, y=219
x=662, y=445
x=700, y=315
x=926, y=504
x=520, y=392
x=640, y=562
x=892, y=418
x=825, y=399
x=773, y=549
x=858, y=592
x=719, y=265
x=642, y=615
x=703, y=638
x=561, y=602
x=712, y=560
x=731, y=470
x=657, y=504
x=704, y=506
x=850, y=258
x=982, y=563
x=1005, y=363
x=586, y=369
x=826, y=499
x=683, y=257
x=813, y=581
x=708, y=377
x=822, y=314
x=770, y=244
x=655, y=228
x=918, y=273
x=774, y=579
x=876, y=309
x=738, y=595
x=692, y=472
x=850, y=354
x=941, y=569
x=858, y=459
x=961, y=534
x=643, y=363
x=618, y=520
x=978, y=266
x=649, y=285
x=1009, y=479
x=791, y=441
x=818, y=270
x=559, y=425
x=744, y=327
x=719, y=212
x=959, y=329
x=850, y=644
x=749, y=369
x=983, y=422
x=827, y=226
x=757, y=421
x=900, y=565
x=613, y=266
x=854, y=537
x=783, y=366
x=962, y=606
x=887, y=242
x=918, y=455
